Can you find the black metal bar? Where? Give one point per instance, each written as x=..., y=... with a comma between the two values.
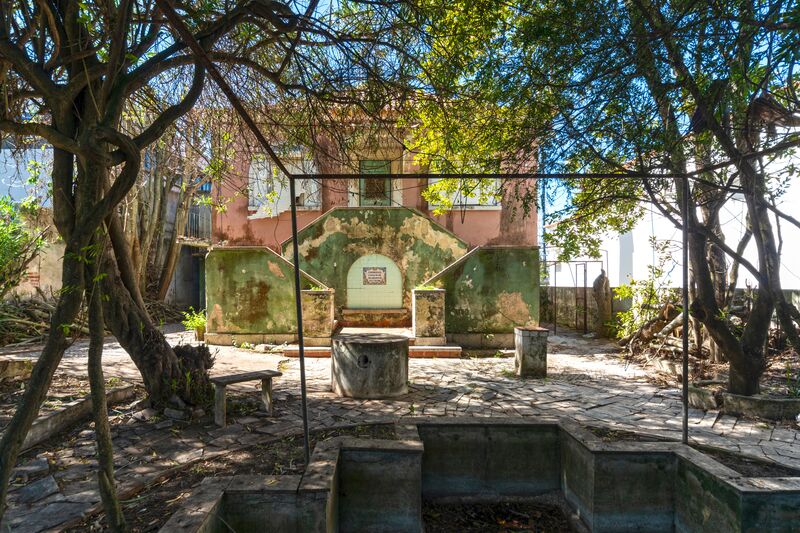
x=201, y=56
x=299, y=311
x=685, y=295
x=585, y=299
x=576, y=293
x=555, y=299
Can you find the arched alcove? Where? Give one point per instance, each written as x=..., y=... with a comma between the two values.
x=374, y=282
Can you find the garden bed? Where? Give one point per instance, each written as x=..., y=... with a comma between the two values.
x=531, y=517
x=151, y=509
x=63, y=390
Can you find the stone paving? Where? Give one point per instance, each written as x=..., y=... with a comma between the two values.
x=587, y=382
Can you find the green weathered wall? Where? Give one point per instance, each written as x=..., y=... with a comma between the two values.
x=250, y=290
x=331, y=244
x=491, y=290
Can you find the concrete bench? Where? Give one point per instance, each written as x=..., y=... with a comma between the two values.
x=221, y=383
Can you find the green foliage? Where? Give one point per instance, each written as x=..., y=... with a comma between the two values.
x=647, y=297
x=194, y=320
x=792, y=383
x=426, y=287
x=19, y=244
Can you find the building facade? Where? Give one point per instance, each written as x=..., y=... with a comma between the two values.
x=370, y=242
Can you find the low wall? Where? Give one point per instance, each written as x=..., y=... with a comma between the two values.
x=568, y=302
x=488, y=293
x=250, y=298
x=378, y=485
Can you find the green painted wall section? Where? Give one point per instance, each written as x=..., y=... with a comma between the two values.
x=250, y=290
x=491, y=290
x=332, y=243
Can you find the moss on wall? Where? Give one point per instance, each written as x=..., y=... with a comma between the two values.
x=491, y=290
x=331, y=244
x=250, y=290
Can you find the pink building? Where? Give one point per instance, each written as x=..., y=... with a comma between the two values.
x=258, y=209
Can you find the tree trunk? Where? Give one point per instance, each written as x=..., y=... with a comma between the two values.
x=102, y=429
x=67, y=308
x=163, y=372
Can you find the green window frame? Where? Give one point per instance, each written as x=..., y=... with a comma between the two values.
x=371, y=191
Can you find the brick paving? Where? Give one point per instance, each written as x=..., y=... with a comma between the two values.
x=586, y=382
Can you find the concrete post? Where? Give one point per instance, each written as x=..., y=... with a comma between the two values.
x=530, y=347
x=427, y=312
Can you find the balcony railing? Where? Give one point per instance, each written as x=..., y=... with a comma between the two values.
x=198, y=226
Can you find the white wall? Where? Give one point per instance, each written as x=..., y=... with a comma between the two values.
x=14, y=172
x=628, y=256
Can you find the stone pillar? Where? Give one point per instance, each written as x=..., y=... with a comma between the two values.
x=369, y=365
x=427, y=316
x=317, y=317
x=530, y=358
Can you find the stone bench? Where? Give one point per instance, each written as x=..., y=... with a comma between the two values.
x=221, y=383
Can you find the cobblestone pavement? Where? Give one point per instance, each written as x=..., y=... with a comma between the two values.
x=586, y=382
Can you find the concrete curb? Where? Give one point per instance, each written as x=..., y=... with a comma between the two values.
x=50, y=424
x=360, y=485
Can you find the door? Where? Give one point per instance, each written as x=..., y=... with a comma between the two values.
x=374, y=282
x=375, y=191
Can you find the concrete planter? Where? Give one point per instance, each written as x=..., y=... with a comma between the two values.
x=702, y=398
x=50, y=424
x=317, y=316
x=377, y=485
x=761, y=407
x=530, y=352
x=15, y=368
x=427, y=311
x=369, y=365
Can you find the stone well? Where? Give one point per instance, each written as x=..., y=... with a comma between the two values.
x=369, y=365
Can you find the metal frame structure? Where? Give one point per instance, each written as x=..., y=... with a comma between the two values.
x=578, y=263
x=177, y=24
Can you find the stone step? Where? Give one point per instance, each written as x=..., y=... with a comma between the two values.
x=447, y=351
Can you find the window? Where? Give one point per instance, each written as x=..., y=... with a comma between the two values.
x=268, y=188
x=375, y=191
x=260, y=183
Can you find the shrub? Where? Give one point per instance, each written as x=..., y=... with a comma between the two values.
x=194, y=320
x=18, y=244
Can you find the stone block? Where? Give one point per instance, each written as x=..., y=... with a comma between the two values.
x=761, y=407
x=530, y=352
x=427, y=315
x=317, y=313
x=37, y=490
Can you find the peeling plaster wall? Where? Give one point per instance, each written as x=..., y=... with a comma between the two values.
x=250, y=291
x=491, y=290
x=418, y=246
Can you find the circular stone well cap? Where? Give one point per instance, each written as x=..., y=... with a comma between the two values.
x=369, y=338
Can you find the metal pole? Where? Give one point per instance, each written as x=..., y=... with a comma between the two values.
x=585, y=298
x=555, y=298
x=685, y=294
x=200, y=54
x=299, y=312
